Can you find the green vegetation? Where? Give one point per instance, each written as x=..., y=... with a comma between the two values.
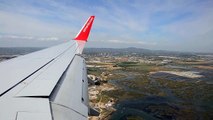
x=190, y=91
x=127, y=64
x=120, y=94
x=137, y=67
x=94, y=71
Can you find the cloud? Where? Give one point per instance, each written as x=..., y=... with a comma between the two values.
x=121, y=43
x=130, y=42
x=28, y=41
x=23, y=25
x=198, y=24
x=161, y=24
x=49, y=39
x=16, y=37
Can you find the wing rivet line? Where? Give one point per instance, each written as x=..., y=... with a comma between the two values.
x=26, y=78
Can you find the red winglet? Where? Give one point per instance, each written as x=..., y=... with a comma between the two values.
x=85, y=30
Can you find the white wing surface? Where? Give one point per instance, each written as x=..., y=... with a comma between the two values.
x=50, y=84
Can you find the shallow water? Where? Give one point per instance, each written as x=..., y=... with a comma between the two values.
x=153, y=107
x=138, y=108
x=141, y=108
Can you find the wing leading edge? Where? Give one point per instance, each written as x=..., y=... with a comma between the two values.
x=48, y=84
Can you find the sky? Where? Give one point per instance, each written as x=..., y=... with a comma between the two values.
x=177, y=25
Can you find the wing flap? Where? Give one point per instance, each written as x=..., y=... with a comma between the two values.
x=13, y=107
x=70, y=92
x=32, y=116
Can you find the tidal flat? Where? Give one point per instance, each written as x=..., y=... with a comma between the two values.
x=143, y=92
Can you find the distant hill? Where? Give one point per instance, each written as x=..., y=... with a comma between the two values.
x=135, y=51
x=101, y=51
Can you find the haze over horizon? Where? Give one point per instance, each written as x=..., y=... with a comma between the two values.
x=176, y=25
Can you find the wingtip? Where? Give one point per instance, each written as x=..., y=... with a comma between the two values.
x=85, y=31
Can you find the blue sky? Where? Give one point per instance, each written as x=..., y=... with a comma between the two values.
x=179, y=25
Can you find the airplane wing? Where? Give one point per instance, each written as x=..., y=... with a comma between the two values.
x=50, y=84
